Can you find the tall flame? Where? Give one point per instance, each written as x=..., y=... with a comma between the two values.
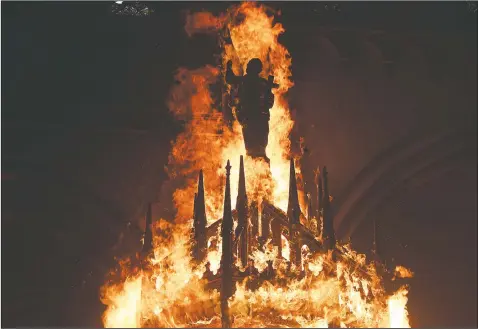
x=170, y=290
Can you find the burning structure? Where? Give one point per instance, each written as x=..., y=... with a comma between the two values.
x=276, y=226
x=257, y=260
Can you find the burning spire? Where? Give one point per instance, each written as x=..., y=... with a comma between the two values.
x=178, y=295
x=293, y=208
x=293, y=213
x=242, y=216
x=226, y=257
x=200, y=221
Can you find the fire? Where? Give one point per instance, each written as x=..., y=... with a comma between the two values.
x=402, y=272
x=124, y=303
x=397, y=306
x=256, y=37
x=214, y=255
x=171, y=290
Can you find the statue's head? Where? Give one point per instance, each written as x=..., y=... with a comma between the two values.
x=254, y=67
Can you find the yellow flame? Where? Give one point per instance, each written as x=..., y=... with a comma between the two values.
x=123, y=302
x=170, y=291
x=402, y=272
x=397, y=307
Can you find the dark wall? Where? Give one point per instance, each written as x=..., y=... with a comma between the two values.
x=85, y=137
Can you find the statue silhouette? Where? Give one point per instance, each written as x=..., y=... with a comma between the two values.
x=252, y=111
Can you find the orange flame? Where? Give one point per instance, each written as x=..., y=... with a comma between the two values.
x=170, y=291
x=402, y=272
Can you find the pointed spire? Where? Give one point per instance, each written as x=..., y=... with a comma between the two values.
x=293, y=208
x=226, y=257
x=227, y=193
x=241, y=196
x=227, y=226
x=293, y=212
x=195, y=210
x=200, y=221
x=242, y=216
x=148, y=233
x=200, y=193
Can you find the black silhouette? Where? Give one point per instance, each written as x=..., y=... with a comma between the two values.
x=252, y=111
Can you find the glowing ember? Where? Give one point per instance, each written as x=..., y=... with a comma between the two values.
x=334, y=288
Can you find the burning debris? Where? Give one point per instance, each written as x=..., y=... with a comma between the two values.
x=255, y=260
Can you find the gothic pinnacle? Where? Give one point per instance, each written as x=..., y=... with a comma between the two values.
x=242, y=216
x=293, y=208
x=200, y=221
x=293, y=212
x=226, y=257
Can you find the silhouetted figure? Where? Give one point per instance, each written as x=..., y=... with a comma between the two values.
x=255, y=100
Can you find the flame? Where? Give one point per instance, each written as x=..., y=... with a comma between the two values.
x=397, y=306
x=124, y=303
x=214, y=254
x=171, y=290
x=256, y=36
x=285, y=248
x=402, y=272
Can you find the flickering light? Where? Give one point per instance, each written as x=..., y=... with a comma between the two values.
x=171, y=291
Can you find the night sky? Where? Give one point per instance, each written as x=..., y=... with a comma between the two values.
x=86, y=134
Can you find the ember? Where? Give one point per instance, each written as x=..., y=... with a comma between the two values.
x=255, y=260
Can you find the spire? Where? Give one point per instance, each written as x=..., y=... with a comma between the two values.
x=227, y=215
x=200, y=194
x=200, y=221
x=226, y=257
x=293, y=208
x=148, y=234
x=293, y=212
x=241, y=195
x=242, y=216
x=329, y=234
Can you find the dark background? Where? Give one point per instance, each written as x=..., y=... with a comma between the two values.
x=86, y=133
